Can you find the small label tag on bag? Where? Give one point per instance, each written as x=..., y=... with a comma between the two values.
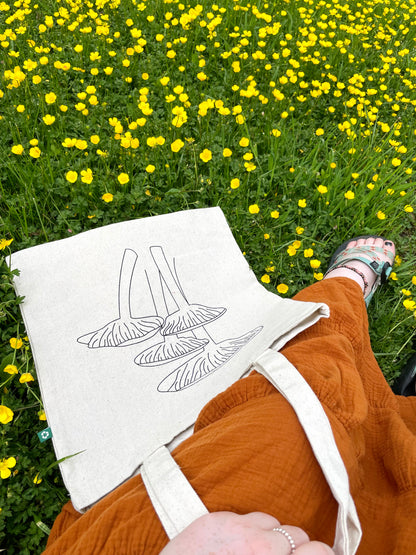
x=45, y=434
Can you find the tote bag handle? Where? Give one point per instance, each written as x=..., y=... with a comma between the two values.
x=178, y=505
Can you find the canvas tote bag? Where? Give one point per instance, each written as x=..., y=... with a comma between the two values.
x=134, y=327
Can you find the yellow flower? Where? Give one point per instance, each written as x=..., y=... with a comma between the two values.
x=177, y=145
x=299, y=230
x=235, y=183
x=201, y=76
x=35, y=152
x=50, y=98
x=396, y=162
x=95, y=139
x=315, y=263
x=164, y=81
x=253, y=209
x=15, y=343
x=170, y=54
x=20, y=108
x=26, y=377
x=302, y=203
x=266, y=236
x=5, y=243
x=107, y=197
x=48, y=119
x=291, y=250
x=276, y=132
x=123, y=178
x=86, y=176
x=349, y=195
x=250, y=166
x=37, y=479
x=227, y=152
x=265, y=278
x=10, y=369
x=282, y=288
x=42, y=415
x=240, y=119
x=71, y=176
x=408, y=208
x=6, y=414
x=17, y=149
x=206, y=155
x=322, y=189
x=5, y=465
x=318, y=276
x=393, y=276
x=414, y=280
x=275, y=214
x=150, y=168
x=244, y=141
x=409, y=304
x=307, y=253
x=381, y=215
x=319, y=132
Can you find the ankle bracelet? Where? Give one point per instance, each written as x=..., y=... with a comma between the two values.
x=362, y=276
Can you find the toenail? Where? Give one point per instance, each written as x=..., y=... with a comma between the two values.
x=389, y=243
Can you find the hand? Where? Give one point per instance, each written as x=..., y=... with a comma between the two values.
x=225, y=533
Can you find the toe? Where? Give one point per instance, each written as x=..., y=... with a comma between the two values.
x=361, y=242
x=389, y=248
x=378, y=242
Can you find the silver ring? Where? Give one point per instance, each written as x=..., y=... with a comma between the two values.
x=288, y=537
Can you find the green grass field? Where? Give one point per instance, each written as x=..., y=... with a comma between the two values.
x=297, y=118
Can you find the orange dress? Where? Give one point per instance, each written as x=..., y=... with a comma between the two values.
x=249, y=452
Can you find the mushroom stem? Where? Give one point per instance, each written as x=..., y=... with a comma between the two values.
x=167, y=276
x=126, y=275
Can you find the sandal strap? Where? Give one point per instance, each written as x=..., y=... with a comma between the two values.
x=366, y=254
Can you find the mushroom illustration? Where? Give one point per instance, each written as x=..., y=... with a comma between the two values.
x=172, y=346
x=214, y=356
x=188, y=316
x=125, y=330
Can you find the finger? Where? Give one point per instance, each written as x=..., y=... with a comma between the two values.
x=286, y=538
x=314, y=548
x=260, y=520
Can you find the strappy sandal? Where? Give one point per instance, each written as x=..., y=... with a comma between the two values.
x=405, y=383
x=369, y=255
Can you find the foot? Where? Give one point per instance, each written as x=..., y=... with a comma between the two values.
x=370, y=249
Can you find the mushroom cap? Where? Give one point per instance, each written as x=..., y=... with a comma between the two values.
x=190, y=317
x=201, y=366
x=170, y=349
x=123, y=332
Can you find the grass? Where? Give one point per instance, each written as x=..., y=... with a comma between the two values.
x=296, y=118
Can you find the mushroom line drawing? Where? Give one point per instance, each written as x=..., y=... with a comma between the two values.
x=194, y=317
x=171, y=347
x=126, y=329
x=189, y=315
x=213, y=357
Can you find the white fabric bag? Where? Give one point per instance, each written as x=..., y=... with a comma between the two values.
x=134, y=327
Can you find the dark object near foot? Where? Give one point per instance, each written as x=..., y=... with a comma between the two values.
x=405, y=383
